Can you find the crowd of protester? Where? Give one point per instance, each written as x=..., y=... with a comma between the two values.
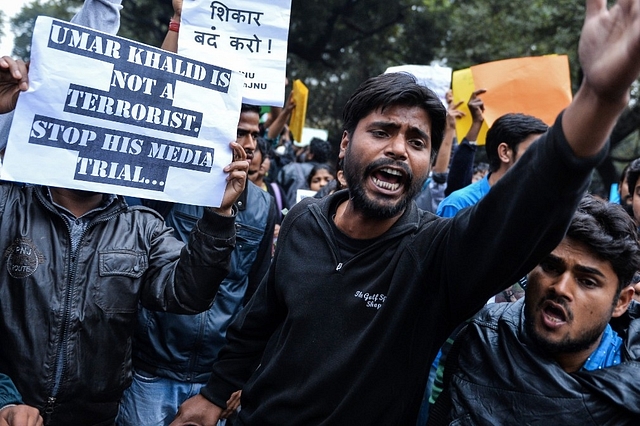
x=398, y=282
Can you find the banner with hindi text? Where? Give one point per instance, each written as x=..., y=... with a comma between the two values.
x=248, y=35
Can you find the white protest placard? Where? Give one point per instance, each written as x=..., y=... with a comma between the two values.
x=248, y=35
x=434, y=77
x=110, y=115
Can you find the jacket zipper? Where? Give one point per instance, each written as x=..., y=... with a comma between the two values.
x=61, y=354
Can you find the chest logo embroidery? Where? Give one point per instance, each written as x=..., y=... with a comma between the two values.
x=373, y=301
x=23, y=258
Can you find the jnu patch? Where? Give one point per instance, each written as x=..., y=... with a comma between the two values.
x=23, y=258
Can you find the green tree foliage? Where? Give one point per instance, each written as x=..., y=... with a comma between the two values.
x=334, y=45
x=22, y=24
x=489, y=30
x=145, y=21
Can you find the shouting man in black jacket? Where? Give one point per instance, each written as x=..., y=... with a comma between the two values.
x=365, y=287
x=569, y=352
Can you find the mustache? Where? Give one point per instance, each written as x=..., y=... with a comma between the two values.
x=558, y=301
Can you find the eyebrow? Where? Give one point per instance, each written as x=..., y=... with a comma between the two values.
x=579, y=268
x=392, y=125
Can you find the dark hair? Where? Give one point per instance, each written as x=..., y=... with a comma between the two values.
x=624, y=173
x=316, y=168
x=511, y=129
x=249, y=108
x=610, y=233
x=320, y=149
x=395, y=89
x=481, y=168
x=633, y=173
x=263, y=146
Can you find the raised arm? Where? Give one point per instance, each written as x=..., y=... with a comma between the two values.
x=102, y=15
x=444, y=153
x=609, y=55
x=461, y=170
x=476, y=108
x=170, y=42
x=278, y=123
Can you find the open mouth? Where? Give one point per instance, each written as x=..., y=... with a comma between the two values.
x=554, y=315
x=388, y=178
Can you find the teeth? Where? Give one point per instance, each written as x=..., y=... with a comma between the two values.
x=392, y=172
x=554, y=317
x=386, y=185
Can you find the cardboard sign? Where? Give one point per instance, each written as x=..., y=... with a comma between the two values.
x=434, y=77
x=249, y=36
x=299, y=114
x=463, y=86
x=110, y=115
x=538, y=86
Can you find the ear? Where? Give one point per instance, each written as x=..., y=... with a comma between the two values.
x=504, y=153
x=626, y=296
x=343, y=144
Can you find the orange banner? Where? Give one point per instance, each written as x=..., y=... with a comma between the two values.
x=538, y=86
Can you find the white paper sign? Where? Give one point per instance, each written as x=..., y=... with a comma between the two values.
x=249, y=36
x=110, y=115
x=434, y=77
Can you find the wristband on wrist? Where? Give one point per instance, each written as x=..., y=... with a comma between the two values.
x=174, y=26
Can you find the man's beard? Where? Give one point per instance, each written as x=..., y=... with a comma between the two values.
x=567, y=345
x=369, y=207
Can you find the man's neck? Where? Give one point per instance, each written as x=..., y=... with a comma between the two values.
x=571, y=362
x=77, y=202
x=358, y=226
x=496, y=176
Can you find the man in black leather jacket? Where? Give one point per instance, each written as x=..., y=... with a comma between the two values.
x=569, y=352
x=76, y=265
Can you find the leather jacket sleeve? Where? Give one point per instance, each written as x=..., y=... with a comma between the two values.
x=188, y=283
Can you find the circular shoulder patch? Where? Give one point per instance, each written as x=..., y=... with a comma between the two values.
x=23, y=258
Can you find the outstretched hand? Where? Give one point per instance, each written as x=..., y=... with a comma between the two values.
x=236, y=180
x=609, y=47
x=610, y=58
x=13, y=80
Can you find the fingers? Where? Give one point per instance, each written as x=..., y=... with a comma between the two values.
x=595, y=6
x=239, y=153
x=477, y=92
x=456, y=106
x=20, y=415
x=457, y=113
x=17, y=69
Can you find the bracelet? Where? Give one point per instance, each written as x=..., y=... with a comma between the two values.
x=174, y=26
